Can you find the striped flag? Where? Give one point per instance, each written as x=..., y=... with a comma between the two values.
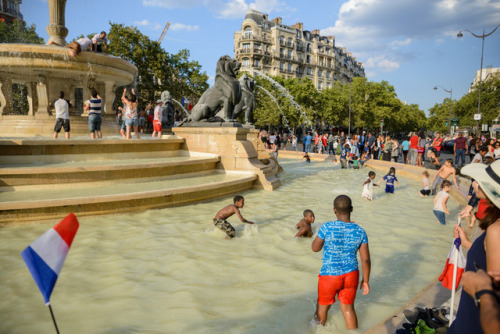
x=455, y=258
x=45, y=256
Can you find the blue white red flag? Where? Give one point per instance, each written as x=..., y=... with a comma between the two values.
x=45, y=256
x=186, y=104
x=455, y=258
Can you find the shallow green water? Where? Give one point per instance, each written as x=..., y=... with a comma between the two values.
x=171, y=271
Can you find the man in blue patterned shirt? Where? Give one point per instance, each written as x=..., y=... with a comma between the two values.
x=341, y=240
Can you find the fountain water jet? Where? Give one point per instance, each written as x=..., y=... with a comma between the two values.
x=285, y=92
x=276, y=102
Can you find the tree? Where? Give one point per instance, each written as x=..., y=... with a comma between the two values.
x=18, y=32
x=158, y=70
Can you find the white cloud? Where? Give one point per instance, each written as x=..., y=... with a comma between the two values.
x=382, y=27
x=142, y=23
x=169, y=4
x=224, y=9
x=406, y=42
x=186, y=27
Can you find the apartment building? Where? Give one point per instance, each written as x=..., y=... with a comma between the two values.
x=292, y=52
x=9, y=10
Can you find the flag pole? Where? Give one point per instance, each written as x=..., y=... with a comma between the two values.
x=53, y=318
x=454, y=284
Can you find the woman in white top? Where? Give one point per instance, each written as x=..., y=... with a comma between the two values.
x=131, y=117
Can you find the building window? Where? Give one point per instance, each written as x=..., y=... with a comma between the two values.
x=282, y=66
x=290, y=68
x=246, y=62
x=320, y=73
x=309, y=71
x=320, y=85
x=308, y=59
x=308, y=47
x=282, y=40
x=246, y=47
x=328, y=85
x=289, y=42
x=289, y=54
x=256, y=62
x=247, y=34
x=328, y=74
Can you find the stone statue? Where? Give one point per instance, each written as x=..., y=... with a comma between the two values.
x=220, y=99
x=167, y=110
x=247, y=102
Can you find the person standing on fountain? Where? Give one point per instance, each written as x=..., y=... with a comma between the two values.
x=157, y=114
x=94, y=107
x=62, y=116
x=221, y=216
x=341, y=239
x=131, y=117
x=100, y=42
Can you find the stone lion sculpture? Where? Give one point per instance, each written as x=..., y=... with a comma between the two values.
x=220, y=99
x=167, y=110
x=247, y=102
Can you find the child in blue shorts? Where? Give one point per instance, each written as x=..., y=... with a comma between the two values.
x=390, y=178
x=341, y=240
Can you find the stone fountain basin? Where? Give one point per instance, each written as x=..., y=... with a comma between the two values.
x=55, y=61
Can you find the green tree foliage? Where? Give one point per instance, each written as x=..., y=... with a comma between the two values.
x=18, y=32
x=465, y=108
x=158, y=70
x=370, y=103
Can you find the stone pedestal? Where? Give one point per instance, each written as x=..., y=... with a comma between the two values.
x=237, y=153
x=56, y=29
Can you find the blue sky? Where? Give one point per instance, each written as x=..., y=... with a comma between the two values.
x=412, y=44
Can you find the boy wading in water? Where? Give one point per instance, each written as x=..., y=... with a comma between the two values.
x=228, y=211
x=443, y=173
x=304, y=225
x=339, y=275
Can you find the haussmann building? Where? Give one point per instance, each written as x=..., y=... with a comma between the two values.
x=275, y=49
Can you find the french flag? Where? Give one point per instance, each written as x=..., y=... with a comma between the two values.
x=455, y=258
x=186, y=104
x=45, y=256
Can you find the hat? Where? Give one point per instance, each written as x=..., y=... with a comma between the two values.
x=159, y=101
x=488, y=178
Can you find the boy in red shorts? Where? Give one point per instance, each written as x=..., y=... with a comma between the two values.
x=341, y=240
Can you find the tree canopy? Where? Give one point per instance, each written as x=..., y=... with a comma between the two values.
x=371, y=102
x=158, y=69
x=18, y=32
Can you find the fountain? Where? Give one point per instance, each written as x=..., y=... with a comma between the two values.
x=48, y=69
x=285, y=92
x=277, y=105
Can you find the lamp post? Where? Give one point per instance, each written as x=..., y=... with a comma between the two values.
x=451, y=99
x=349, y=130
x=483, y=36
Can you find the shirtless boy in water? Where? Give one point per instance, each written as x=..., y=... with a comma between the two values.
x=228, y=211
x=443, y=173
x=304, y=225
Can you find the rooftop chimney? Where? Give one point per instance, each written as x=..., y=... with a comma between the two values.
x=299, y=26
x=277, y=20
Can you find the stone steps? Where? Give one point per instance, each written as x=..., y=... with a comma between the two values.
x=46, y=179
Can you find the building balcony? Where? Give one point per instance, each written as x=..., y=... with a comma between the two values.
x=300, y=48
x=283, y=43
x=282, y=70
x=289, y=44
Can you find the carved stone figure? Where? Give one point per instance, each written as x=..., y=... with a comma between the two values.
x=167, y=110
x=220, y=99
x=247, y=102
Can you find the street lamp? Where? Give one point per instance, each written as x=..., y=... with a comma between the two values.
x=483, y=36
x=451, y=99
x=349, y=130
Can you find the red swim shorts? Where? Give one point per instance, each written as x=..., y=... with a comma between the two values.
x=344, y=285
x=156, y=126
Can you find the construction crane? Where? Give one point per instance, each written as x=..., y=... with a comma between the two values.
x=164, y=32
